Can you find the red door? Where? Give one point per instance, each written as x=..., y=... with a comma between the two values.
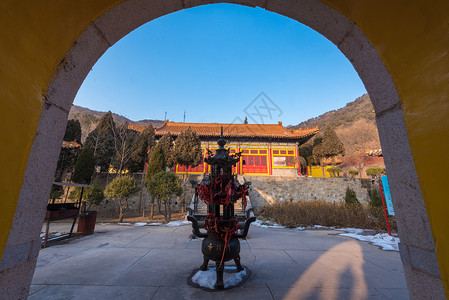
x=255, y=164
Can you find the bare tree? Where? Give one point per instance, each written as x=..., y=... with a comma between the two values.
x=124, y=139
x=358, y=138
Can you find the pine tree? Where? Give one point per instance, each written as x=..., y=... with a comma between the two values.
x=156, y=164
x=166, y=142
x=375, y=172
x=187, y=149
x=187, y=152
x=306, y=151
x=102, y=141
x=143, y=144
x=121, y=188
x=92, y=195
x=351, y=197
x=73, y=131
x=375, y=198
x=67, y=157
x=327, y=144
x=84, y=167
x=163, y=186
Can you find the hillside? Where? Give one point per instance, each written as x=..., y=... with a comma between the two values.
x=354, y=124
x=89, y=118
x=360, y=108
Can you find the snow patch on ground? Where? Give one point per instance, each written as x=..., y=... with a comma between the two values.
x=124, y=224
x=178, y=223
x=154, y=224
x=207, y=278
x=322, y=227
x=53, y=234
x=382, y=240
x=300, y=228
x=267, y=224
x=270, y=224
x=140, y=224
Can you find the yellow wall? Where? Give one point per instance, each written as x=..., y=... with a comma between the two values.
x=34, y=37
x=317, y=171
x=411, y=37
x=413, y=41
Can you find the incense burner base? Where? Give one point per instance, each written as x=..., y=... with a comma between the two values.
x=207, y=279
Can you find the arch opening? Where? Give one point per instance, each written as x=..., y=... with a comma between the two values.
x=413, y=223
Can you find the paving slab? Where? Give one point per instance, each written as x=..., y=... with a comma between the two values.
x=100, y=292
x=95, y=266
x=194, y=293
x=312, y=293
x=153, y=262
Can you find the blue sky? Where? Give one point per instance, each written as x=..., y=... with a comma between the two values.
x=213, y=61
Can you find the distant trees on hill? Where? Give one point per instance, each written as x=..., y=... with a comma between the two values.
x=356, y=127
x=361, y=108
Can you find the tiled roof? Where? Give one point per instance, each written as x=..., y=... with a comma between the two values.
x=70, y=145
x=376, y=152
x=135, y=127
x=236, y=130
x=330, y=161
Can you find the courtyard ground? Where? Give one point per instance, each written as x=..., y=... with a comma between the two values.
x=153, y=262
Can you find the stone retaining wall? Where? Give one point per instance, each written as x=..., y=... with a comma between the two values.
x=270, y=189
x=264, y=190
x=137, y=202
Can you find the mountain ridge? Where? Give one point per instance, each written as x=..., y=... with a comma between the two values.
x=89, y=118
x=354, y=123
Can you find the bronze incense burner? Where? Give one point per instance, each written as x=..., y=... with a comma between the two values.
x=220, y=190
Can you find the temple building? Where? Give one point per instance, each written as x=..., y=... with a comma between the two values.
x=267, y=149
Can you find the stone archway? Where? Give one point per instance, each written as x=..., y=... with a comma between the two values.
x=417, y=249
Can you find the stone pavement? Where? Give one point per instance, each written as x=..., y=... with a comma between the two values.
x=153, y=262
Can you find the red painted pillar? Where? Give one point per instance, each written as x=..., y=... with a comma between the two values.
x=270, y=163
x=206, y=165
x=238, y=164
x=297, y=160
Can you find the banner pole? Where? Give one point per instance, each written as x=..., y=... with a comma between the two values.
x=385, y=208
